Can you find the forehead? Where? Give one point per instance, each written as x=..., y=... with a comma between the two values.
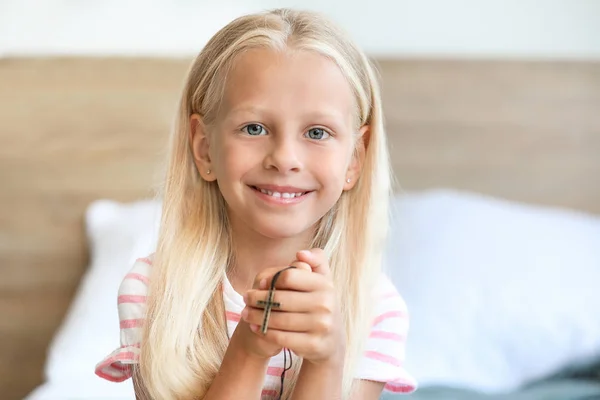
x=289, y=82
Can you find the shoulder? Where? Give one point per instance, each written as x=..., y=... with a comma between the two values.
x=137, y=279
x=390, y=323
x=383, y=360
x=389, y=304
x=131, y=300
x=133, y=291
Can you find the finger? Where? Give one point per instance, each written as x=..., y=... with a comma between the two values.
x=301, y=265
x=260, y=280
x=317, y=259
x=264, y=278
x=291, y=300
x=288, y=321
x=298, y=279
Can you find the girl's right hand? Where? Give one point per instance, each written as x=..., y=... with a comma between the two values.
x=254, y=344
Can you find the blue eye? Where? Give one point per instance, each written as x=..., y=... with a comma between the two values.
x=254, y=129
x=317, y=134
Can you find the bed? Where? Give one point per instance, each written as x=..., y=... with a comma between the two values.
x=518, y=139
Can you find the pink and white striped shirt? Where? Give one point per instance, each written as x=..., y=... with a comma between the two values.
x=383, y=356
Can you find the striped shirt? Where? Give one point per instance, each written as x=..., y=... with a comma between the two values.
x=382, y=360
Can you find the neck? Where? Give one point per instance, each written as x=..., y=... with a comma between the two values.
x=254, y=252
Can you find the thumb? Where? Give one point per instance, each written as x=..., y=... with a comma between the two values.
x=317, y=260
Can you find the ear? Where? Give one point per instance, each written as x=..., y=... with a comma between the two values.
x=199, y=144
x=358, y=157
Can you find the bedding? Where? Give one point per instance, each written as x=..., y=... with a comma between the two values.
x=524, y=309
x=118, y=234
x=91, y=388
x=500, y=293
x=566, y=389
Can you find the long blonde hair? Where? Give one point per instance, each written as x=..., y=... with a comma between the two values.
x=185, y=334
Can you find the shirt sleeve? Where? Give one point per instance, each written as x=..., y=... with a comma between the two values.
x=131, y=303
x=385, y=348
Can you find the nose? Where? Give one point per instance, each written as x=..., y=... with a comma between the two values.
x=284, y=154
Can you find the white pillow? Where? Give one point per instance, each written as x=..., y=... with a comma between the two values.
x=498, y=293
x=92, y=388
x=118, y=234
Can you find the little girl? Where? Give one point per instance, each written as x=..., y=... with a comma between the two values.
x=278, y=159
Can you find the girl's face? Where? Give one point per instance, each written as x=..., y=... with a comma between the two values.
x=282, y=148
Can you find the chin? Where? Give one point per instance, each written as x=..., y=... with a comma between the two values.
x=279, y=232
x=281, y=227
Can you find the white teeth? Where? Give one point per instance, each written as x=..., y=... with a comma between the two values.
x=282, y=195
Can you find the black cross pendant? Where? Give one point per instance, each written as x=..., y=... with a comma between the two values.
x=269, y=304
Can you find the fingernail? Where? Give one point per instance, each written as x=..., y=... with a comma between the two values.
x=263, y=284
x=253, y=327
x=244, y=313
x=246, y=298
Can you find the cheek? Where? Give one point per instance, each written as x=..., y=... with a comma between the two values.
x=332, y=172
x=231, y=159
x=336, y=163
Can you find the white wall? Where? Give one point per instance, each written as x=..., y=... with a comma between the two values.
x=472, y=28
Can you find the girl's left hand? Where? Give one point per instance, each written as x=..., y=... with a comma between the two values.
x=308, y=322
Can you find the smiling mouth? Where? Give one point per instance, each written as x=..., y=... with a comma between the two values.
x=283, y=195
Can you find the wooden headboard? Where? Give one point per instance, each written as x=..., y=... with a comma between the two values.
x=75, y=130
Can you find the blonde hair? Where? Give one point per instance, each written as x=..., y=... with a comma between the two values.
x=185, y=335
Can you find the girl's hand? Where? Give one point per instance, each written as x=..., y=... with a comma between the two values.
x=259, y=345
x=256, y=345
x=308, y=322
